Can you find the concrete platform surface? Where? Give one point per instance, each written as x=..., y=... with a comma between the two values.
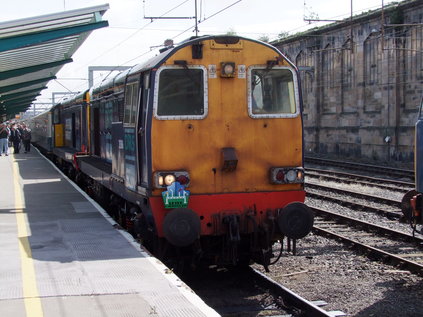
x=61, y=254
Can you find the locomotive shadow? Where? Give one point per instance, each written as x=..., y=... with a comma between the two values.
x=241, y=295
x=401, y=298
x=63, y=225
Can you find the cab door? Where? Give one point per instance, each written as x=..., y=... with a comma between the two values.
x=131, y=105
x=143, y=131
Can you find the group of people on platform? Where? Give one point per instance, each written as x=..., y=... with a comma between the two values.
x=16, y=135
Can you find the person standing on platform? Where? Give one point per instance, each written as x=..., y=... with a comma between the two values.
x=20, y=128
x=26, y=138
x=4, y=142
x=15, y=138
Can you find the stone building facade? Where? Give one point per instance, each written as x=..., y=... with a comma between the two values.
x=362, y=82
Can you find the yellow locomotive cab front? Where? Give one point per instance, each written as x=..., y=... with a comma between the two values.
x=229, y=121
x=229, y=124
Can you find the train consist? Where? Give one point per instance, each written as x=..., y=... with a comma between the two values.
x=198, y=151
x=412, y=202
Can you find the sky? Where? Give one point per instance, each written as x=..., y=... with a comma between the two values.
x=130, y=38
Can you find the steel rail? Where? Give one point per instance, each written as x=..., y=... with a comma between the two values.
x=386, y=213
x=396, y=259
x=359, y=179
x=360, y=166
x=378, y=199
x=368, y=225
x=289, y=297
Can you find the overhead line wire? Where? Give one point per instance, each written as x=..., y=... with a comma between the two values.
x=130, y=36
x=188, y=29
x=133, y=34
x=214, y=14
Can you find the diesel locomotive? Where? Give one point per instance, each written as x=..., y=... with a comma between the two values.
x=198, y=151
x=412, y=202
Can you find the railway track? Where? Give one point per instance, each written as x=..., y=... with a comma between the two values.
x=305, y=307
x=372, y=169
x=391, y=208
x=350, y=178
x=248, y=292
x=388, y=245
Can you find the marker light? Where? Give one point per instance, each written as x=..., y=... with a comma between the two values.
x=300, y=174
x=182, y=179
x=280, y=176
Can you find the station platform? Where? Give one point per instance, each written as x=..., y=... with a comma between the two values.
x=62, y=255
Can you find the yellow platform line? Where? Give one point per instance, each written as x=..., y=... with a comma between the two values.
x=31, y=296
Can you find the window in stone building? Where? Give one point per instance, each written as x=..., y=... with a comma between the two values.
x=371, y=61
x=372, y=96
x=328, y=67
x=304, y=62
x=413, y=66
x=348, y=97
x=329, y=88
x=420, y=50
x=347, y=66
x=414, y=53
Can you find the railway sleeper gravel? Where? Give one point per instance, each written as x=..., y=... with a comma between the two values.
x=366, y=197
x=375, y=246
x=373, y=169
x=289, y=298
x=362, y=206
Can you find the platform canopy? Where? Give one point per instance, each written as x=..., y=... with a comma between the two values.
x=33, y=50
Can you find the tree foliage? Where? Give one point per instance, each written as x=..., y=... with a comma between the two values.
x=283, y=35
x=231, y=31
x=264, y=38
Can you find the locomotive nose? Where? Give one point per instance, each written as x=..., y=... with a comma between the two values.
x=295, y=220
x=181, y=227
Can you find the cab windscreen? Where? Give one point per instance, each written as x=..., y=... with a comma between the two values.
x=181, y=92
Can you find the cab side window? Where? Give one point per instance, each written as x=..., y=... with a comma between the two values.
x=131, y=103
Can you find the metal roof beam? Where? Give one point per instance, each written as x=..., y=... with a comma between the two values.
x=21, y=104
x=31, y=69
x=14, y=110
x=56, y=16
x=16, y=42
x=6, y=97
x=26, y=84
x=22, y=101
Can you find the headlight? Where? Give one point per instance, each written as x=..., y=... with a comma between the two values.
x=169, y=179
x=162, y=179
x=291, y=176
x=286, y=175
x=227, y=69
